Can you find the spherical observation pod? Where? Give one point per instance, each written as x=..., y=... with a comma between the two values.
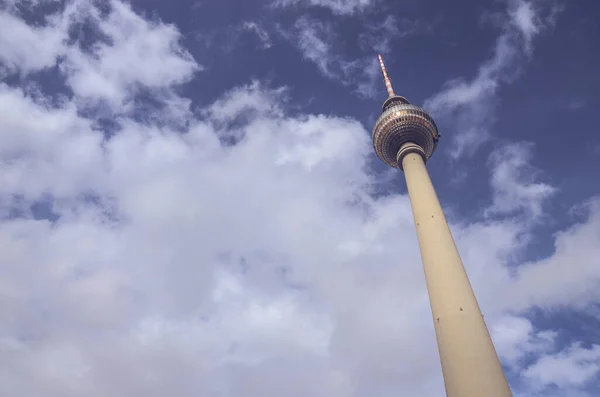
x=401, y=123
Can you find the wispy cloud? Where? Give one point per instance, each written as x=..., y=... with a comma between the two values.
x=469, y=105
x=260, y=32
x=514, y=182
x=340, y=7
x=380, y=35
x=263, y=267
x=319, y=43
x=314, y=40
x=570, y=369
x=532, y=17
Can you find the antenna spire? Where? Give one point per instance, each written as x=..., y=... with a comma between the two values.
x=386, y=78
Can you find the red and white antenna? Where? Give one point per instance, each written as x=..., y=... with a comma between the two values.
x=386, y=78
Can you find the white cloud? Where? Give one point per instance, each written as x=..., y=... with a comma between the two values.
x=314, y=41
x=532, y=17
x=249, y=100
x=571, y=276
x=136, y=53
x=525, y=18
x=25, y=48
x=317, y=41
x=567, y=370
x=191, y=211
x=380, y=35
x=260, y=32
x=513, y=182
x=30, y=143
x=182, y=265
x=340, y=7
x=575, y=366
x=470, y=104
x=514, y=338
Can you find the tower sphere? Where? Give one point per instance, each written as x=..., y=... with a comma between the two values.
x=401, y=123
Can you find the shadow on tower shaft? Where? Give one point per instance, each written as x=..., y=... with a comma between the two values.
x=405, y=137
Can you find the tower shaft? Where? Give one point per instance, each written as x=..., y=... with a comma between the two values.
x=470, y=364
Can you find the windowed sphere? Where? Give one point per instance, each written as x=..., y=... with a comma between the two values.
x=401, y=123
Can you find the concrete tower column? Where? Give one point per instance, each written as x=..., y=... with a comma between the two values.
x=470, y=365
x=405, y=136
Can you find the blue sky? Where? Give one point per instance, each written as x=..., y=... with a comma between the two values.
x=190, y=203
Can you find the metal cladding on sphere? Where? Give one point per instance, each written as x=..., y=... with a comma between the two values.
x=401, y=123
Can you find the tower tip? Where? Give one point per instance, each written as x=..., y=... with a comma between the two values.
x=386, y=78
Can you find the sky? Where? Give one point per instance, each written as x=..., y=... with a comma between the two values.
x=190, y=203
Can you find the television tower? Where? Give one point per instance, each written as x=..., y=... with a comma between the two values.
x=405, y=137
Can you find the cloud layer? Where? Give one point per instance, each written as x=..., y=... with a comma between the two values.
x=235, y=249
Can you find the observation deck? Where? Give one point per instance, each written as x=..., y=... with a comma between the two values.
x=402, y=123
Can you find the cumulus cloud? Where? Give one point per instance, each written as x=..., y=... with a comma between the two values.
x=186, y=266
x=532, y=17
x=24, y=48
x=515, y=338
x=260, y=32
x=180, y=261
x=134, y=53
